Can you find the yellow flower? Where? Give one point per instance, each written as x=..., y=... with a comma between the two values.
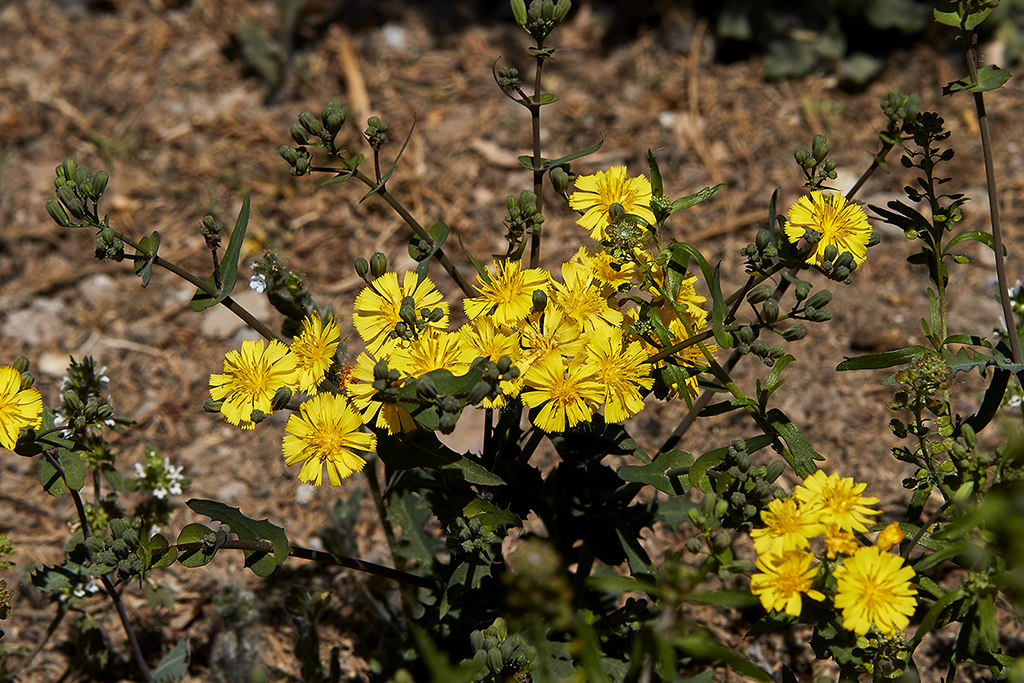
x=324, y=433
x=839, y=542
x=314, y=350
x=890, y=536
x=547, y=333
x=508, y=296
x=567, y=393
x=873, y=587
x=389, y=416
x=596, y=193
x=250, y=380
x=19, y=408
x=788, y=525
x=838, y=499
x=481, y=337
x=839, y=222
x=377, y=307
x=431, y=351
x=784, y=578
x=606, y=268
x=621, y=371
x=584, y=299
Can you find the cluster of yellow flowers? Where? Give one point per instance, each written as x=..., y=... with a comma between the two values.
x=873, y=586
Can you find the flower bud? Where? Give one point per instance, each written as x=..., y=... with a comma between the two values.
x=478, y=393
x=289, y=154
x=299, y=135
x=562, y=8
x=519, y=11
x=378, y=265
x=21, y=363
x=831, y=251
x=70, y=166
x=770, y=310
x=212, y=406
x=559, y=179
x=845, y=260
x=821, y=315
x=721, y=542
x=309, y=122
x=820, y=299
x=760, y=293
x=694, y=545
x=540, y=299
x=840, y=273
x=57, y=213
x=72, y=401
x=71, y=201
x=426, y=388
x=281, y=398
x=795, y=332
x=802, y=290
x=446, y=425
x=745, y=334
x=615, y=212
x=362, y=267
x=333, y=117
x=99, y=184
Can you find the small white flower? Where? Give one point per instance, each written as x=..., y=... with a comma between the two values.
x=140, y=471
x=1014, y=401
x=258, y=282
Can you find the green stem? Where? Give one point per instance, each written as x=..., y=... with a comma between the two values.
x=970, y=56
x=538, y=175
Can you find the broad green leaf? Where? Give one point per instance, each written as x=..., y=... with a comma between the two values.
x=200, y=533
x=798, y=453
x=410, y=512
x=202, y=300
x=700, y=644
x=655, y=473
x=262, y=564
x=164, y=559
x=491, y=516
x=473, y=472
x=174, y=666
x=74, y=469
x=50, y=479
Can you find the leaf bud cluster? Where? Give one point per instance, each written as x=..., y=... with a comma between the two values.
x=542, y=16
x=508, y=77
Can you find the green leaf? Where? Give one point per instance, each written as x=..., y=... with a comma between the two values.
x=656, y=183
x=886, y=359
x=438, y=234
x=712, y=458
x=702, y=645
x=655, y=473
x=165, y=559
x=199, y=533
x=686, y=202
x=50, y=479
x=575, y=155
x=174, y=666
x=413, y=451
x=724, y=598
x=930, y=619
x=989, y=78
x=74, y=469
x=953, y=18
x=345, y=174
x=147, y=249
x=384, y=179
x=473, y=472
x=975, y=235
x=798, y=452
x=491, y=516
x=262, y=564
x=202, y=300
x=410, y=512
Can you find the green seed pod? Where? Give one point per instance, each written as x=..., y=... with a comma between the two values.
x=494, y=661
x=362, y=267
x=770, y=310
x=760, y=293
x=795, y=332
x=821, y=298
x=309, y=122
x=299, y=135
x=378, y=265
x=519, y=11
x=694, y=545
x=57, y=213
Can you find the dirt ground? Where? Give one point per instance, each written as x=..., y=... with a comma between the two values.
x=156, y=93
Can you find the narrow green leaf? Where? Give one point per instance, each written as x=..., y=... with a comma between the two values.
x=384, y=179
x=975, y=235
x=886, y=359
x=724, y=598
x=202, y=300
x=575, y=155
x=656, y=183
x=686, y=202
x=799, y=454
x=702, y=645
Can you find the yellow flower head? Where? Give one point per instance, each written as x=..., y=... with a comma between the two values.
x=314, y=350
x=839, y=500
x=508, y=297
x=837, y=221
x=873, y=587
x=596, y=193
x=622, y=371
x=784, y=578
x=250, y=380
x=567, y=393
x=19, y=408
x=788, y=525
x=431, y=351
x=481, y=337
x=389, y=416
x=839, y=542
x=324, y=433
x=586, y=301
x=377, y=309
x=607, y=269
x=890, y=536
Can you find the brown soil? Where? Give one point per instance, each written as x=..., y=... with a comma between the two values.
x=156, y=95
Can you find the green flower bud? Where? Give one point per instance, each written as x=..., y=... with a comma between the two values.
x=99, y=184
x=562, y=8
x=70, y=166
x=71, y=201
x=966, y=431
x=504, y=364
x=875, y=239
x=802, y=157
x=821, y=315
x=299, y=135
x=81, y=175
x=478, y=393
x=426, y=388
x=212, y=406
x=362, y=267
x=762, y=292
x=840, y=273
x=770, y=310
x=696, y=518
x=795, y=332
x=819, y=148
x=57, y=213
x=281, y=398
x=500, y=628
x=762, y=239
x=301, y=166
x=559, y=179
x=831, y=251
x=494, y=661
x=21, y=363
x=519, y=11
x=27, y=379
x=476, y=640
x=694, y=545
x=845, y=260
x=289, y=154
x=721, y=542
x=540, y=299
x=802, y=290
x=745, y=334
x=378, y=265
x=615, y=212
x=407, y=311
x=309, y=122
x=821, y=298
x=721, y=508
x=72, y=401
x=333, y=118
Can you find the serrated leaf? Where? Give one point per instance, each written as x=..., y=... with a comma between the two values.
x=247, y=529
x=655, y=473
x=798, y=453
x=174, y=666
x=202, y=300
x=410, y=512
